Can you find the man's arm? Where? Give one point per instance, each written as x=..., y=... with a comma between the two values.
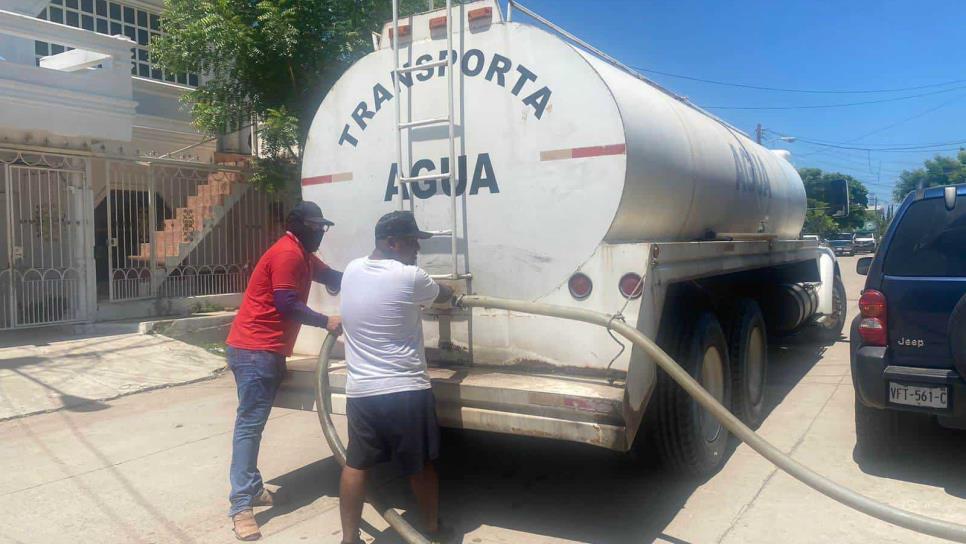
x=445, y=293
x=288, y=304
x=322, y=273
x=427, y=291
x=288, y=279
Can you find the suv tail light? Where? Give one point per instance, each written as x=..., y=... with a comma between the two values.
x=872, y=327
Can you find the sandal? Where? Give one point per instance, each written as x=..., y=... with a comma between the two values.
x=245, y=526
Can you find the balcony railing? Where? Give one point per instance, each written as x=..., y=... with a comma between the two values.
x=83, y=92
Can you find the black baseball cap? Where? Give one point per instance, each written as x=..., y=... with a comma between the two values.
x=401, y=224
x=309, y=213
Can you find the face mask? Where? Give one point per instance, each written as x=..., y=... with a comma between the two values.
x=311, y=240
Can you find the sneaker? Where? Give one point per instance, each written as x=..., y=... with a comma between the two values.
x=245, y=526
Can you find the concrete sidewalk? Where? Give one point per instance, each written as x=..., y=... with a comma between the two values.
x=75, y=367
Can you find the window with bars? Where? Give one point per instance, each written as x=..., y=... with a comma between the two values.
x=111, y=19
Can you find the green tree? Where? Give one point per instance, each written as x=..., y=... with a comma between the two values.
x=819, y=222
x=270, y=60
x=936, y=171
x=816, y=186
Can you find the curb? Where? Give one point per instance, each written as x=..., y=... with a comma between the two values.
x=214, y=374
x=184, y=325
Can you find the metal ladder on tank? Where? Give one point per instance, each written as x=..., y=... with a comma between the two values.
x=404, y=181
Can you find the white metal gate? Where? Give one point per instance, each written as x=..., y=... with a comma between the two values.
x=44, y=259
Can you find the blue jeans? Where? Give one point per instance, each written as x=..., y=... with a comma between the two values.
x=257, y=377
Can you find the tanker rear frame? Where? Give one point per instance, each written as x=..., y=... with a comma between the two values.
x=609, y=408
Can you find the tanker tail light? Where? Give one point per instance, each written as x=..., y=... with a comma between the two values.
x=480, y=15
x=405, y=31
x=580, y=286
x=630, y=285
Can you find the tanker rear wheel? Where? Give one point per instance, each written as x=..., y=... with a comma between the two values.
x=689, y=439
x=747, y=340
x=831, y=329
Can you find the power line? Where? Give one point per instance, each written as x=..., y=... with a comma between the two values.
x=854, y=170
x=858, y=155
x=846, y=144
x=840, y=105
x=807, y=91
x=910, y=118
x=909, y=147
x=903, y=164
x=860, y=158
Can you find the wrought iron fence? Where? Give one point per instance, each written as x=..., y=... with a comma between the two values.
x=182, y=229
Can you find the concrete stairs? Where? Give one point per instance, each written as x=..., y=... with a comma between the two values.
x=194, y=221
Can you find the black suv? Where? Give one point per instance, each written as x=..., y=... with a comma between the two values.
x=909, y=342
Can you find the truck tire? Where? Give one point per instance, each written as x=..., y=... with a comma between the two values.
x=957, y=335
x=875, y=432
x=748, y=354
x=831, y=329
x=690, y=440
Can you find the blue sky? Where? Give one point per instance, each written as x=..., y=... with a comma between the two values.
x=820, y=45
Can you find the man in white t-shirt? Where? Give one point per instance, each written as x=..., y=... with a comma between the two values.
x=390, y=408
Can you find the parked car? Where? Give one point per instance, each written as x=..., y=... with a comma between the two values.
x=908, y=344
x=865, y=241
x=843, y=243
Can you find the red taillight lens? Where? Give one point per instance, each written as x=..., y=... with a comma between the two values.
x=580, y=286
x=480, y=15
x=872, y=303
x=631, y=285
x=404, y=32
x=872, y=327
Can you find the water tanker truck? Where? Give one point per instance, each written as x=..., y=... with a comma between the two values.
x=577, y=183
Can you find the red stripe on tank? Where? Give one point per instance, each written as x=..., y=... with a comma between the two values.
x=330, y=178
x=598, y=151
x=583, y=152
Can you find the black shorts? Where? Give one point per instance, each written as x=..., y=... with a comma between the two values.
x=398, y=427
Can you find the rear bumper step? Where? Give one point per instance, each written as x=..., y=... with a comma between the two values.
x=578, y=409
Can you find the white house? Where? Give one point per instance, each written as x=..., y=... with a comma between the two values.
x=110, y=202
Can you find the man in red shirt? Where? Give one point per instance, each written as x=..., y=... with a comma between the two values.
x=262, y=336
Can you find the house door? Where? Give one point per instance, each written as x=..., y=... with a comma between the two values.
x=44, y=259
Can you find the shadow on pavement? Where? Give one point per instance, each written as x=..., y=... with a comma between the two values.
x=46, y=335
x=789, y=360
x=545, y=487
x=302, y=487
x=923, y=453
x=68, y=401
x=557, y=489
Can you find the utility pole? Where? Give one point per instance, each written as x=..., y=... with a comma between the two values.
x=758, y=134
x=877, y=224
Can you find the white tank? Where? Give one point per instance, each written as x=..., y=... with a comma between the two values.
x=559, y=152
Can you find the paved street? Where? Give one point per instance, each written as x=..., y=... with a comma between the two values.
x=152, y=467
